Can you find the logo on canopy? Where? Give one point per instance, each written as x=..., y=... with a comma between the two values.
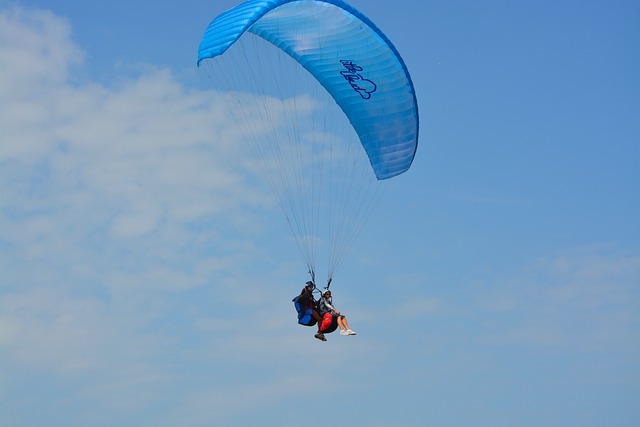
x=364, y=87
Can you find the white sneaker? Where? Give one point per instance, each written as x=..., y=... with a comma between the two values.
x=350, y=332
x=343, y=332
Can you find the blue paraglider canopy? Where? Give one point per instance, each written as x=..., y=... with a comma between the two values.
x=327, y=104
x=353, y=59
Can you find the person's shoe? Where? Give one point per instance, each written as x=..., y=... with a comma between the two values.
x=320, y=337
x=343, y=332
x=350, y=332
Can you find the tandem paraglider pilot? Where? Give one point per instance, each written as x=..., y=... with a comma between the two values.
x=307, y=309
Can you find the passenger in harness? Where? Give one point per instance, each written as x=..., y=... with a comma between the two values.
x=326, y=309
x=307, y=309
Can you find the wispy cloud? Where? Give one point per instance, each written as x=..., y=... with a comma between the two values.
x=583, y=299
x=126, y=216
x=133, y=292
x=108, y=195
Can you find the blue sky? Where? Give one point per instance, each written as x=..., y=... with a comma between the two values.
x=147, y=282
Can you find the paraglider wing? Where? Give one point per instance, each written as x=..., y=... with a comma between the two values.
x=349, y=56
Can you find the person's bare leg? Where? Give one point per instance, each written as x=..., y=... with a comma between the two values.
x=345, y=323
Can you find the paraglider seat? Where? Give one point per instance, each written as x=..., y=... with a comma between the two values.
x=306, y=319
x=329, y=323
x=304, y=316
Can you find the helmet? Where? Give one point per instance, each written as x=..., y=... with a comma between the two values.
x=310, y=283
x=325, y=291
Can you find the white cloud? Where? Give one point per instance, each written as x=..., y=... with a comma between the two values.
x=35, y=46
x=126, y=219
x=132, y=291
x=582, y=300
x=114, y=199
x=84, y=164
